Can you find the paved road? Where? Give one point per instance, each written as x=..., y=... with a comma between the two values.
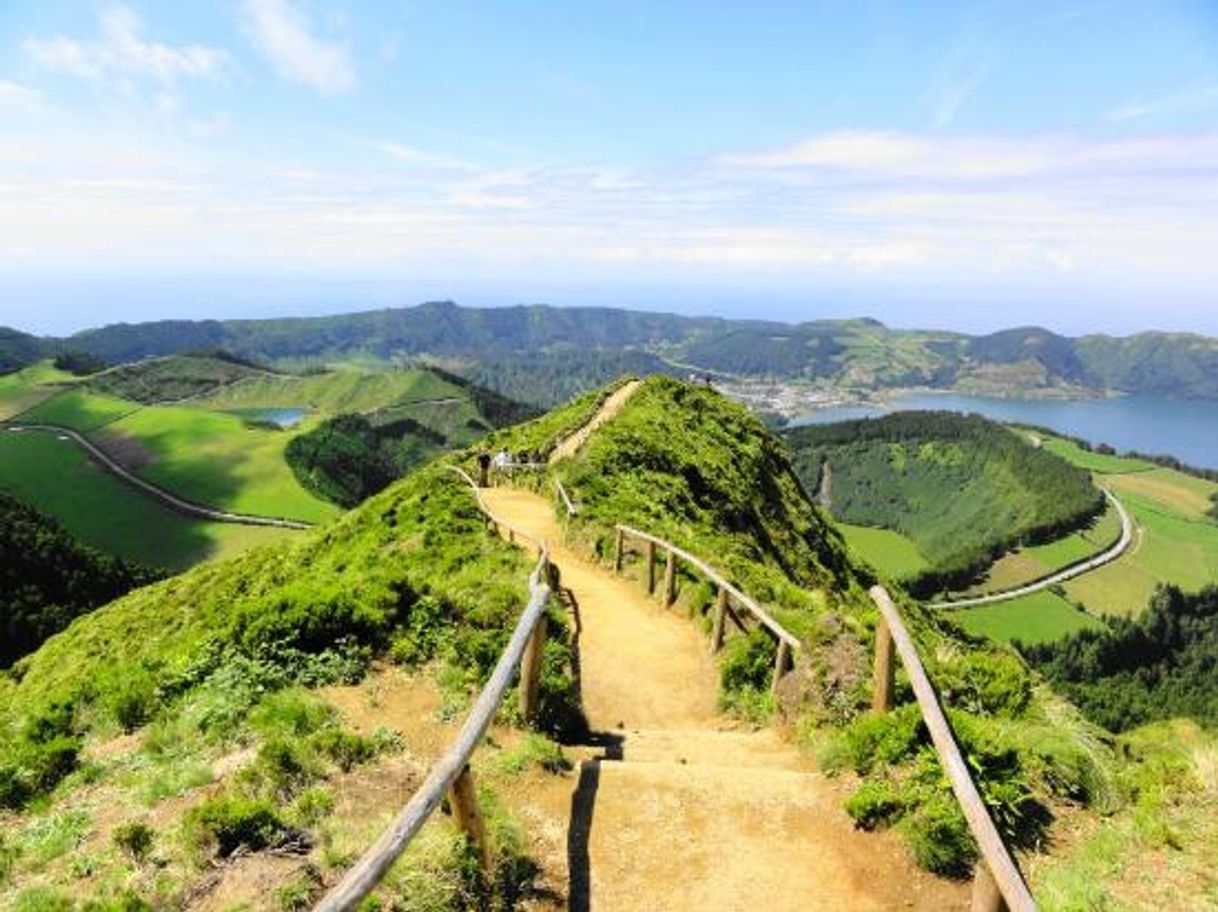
x=171, y=500
x=1061, y=576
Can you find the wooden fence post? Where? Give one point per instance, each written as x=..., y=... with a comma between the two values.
x=780, y=663
x=986, y=896
x=651, y=567
x=619, y=551
x=884, y=670
x=464, y=799
x=670, y=579
x=530, y=669
x=720, y=619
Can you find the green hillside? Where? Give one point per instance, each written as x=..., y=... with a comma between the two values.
x=47, y=578
x=173, y=378
x=961, y=488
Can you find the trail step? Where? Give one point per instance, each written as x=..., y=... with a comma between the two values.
x=762, y=749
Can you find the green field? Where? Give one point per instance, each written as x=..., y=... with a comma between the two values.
x=891, y=553
x=1095, y=462
x=25, y=388
x=1035, y=618
x=1038, y=561
x=82, y=411
x=345, y=391
x=214, y=459
x=56, y=477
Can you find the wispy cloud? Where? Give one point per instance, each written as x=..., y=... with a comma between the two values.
x=121, y=51
x=15, y=95
x=286, y=39
x=411, y=155
x=1195, y=99
x=957, y=93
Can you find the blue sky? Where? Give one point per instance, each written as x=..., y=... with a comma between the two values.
x=971, y=165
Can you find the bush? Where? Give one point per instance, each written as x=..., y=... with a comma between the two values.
x=228, y=822
x=875, y=803
x=882, y=740
x=135, y=838
x=938, y=835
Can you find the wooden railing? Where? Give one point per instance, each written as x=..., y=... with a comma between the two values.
x=997, y=883
x=451, y=772
x=566, y=499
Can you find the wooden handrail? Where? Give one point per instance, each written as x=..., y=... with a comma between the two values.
x=720, y=580
x=562, y=492
x=361, y=879
x=1001, y=867
x=515, y=531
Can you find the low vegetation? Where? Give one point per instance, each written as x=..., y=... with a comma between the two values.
x=47, y=578
x=962, y=488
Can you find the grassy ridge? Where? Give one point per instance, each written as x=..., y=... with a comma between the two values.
x=891, y=553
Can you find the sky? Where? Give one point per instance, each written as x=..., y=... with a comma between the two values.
x=963, y=165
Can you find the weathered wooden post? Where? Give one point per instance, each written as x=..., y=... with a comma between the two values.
x=884, y=670
x=670, y=579
x=530, y=669
x=720, y=618
x=619, y=551
x=463, y=796
x=651, y=567
x=986, y=895
x=780, y=663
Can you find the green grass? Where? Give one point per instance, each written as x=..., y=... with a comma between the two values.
x=891, y=553
x=1095, y=462
x=79, y=410
x=1036, y=618
x=23, y=389
x=1038, y=561
x=56, y=477
x=217, y=460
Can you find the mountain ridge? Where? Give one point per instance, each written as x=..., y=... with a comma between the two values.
x=501, y=344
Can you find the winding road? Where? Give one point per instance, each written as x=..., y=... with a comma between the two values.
x=171, y=500
x=1092, y=563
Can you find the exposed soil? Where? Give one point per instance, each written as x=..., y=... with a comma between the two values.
x=608, y=409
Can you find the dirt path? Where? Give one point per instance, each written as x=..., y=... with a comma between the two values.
x=680, y=808
x=611, y=407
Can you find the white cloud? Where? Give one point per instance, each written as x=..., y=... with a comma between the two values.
x=1178, y=103
x=956, y=94
x=283, y=34
x=122, y=52
x=413, y=156
x=15, y=95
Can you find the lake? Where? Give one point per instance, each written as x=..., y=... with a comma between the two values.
x=1184, y=428
x=283, y=417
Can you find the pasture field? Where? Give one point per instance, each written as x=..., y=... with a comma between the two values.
x=1037, y=618
x=345, y=391
x=56, y=477
x=80, y=410
x=214, y=459
x=1038, y=561
x=891, y=553
x=23, y=389
x=1095, y=462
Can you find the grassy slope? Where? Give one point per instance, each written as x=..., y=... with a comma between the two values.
x=25, y=388
x=413, y=571
x=80, y=410
x=169, y=379
x=58, y=478
x=891, y=553
x=1042, y=616
x=218, y=460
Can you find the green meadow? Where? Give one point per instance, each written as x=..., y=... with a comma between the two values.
x=56, y=477
x=215, y=459
x=891, y=553
x=80, y=410
x=1042, y=616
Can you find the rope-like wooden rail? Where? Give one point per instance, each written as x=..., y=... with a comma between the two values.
x=562, y=492
x=780, y=632
x=451, y=770
x=999, y=868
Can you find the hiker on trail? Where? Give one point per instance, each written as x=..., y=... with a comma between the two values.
x=503, y=459
x=484, y=464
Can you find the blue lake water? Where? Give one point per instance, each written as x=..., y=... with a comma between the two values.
x=284, y=417
x=1184, y=428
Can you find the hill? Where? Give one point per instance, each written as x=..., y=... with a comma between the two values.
x=962, y=488
x=219, y=668
x=173, y=378
x=47, y=578
x=17, y=349
x=513, y=348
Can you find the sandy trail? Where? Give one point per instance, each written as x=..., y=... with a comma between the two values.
x=608, y=409
x=684, y=809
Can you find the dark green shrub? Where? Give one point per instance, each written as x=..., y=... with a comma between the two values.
x=135, y=838
x=991, y=683
x=883, y=740
x=227, y=822
x=748, y=662
x=938, y=836
x=345, y=749
x=131, y=698
x=874, y=804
